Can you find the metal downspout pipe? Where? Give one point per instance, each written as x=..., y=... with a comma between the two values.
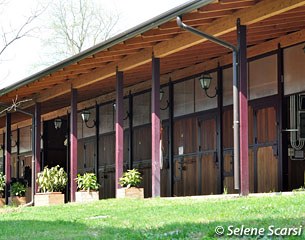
x=235, y=91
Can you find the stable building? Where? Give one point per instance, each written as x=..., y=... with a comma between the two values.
x=205, y=98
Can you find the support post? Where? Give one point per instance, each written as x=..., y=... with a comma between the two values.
x=8, y=151
x=171, y=138
x=282, y=124
x=219, y=129
x=155, y=127
x=119, y=130
x=97, y=140
x=73, y=146
x=3, y=153
x=243, y=104
x=37, y=142
x=130, y=144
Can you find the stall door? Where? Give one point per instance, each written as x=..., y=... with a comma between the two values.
x=265, y=150
x=185, y=157
x=208, y=167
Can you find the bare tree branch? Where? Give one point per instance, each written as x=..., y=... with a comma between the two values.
x=77, y=25
x=13, y=34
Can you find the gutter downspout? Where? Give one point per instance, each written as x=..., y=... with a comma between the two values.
x=31, y=203
x=235, y=91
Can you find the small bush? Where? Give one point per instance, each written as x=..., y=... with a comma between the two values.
x=87, y=182
x=18, y=189
x=131, y=178
x=52, y=179
x=2, y=184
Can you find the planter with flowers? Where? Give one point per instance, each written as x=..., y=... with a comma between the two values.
x=51, y=183
x=87, y=187
x=130, y=182
x=18, y=190
x=2, y=189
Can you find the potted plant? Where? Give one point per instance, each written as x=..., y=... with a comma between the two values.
x=51, y=182
x=130, y=182
x=87, y=187
x=2, y=188
x=18, y=190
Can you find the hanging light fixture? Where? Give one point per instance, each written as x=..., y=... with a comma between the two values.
x=57, y=123
x=161, y=94
x=85, y=116
x=205, y=82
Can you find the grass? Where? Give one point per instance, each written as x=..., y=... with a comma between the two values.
x=181, y=218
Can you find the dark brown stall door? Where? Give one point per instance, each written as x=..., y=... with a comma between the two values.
x=208, y=167
x=185, y=157
x=265, y=149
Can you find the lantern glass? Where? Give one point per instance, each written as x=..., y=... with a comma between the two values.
x=57, y=123
x=85, y=115
x=205, y=81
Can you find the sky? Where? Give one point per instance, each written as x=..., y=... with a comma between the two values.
x=22, y=58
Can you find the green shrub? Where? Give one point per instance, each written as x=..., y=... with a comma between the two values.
x=52, y=179
x=87, y=182
x=18, y=189
x=2, y=184
x=131, y=178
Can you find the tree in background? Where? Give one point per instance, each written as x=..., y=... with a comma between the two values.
x=75, y=25
x=14, y=27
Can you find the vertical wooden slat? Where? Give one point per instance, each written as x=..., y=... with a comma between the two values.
x=155, y=127
x=119, y=130
x=73, y=144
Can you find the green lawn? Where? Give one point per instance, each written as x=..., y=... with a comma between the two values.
x=181, y=218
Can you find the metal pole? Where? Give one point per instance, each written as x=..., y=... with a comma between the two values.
x=235, y=91
x=235, y=122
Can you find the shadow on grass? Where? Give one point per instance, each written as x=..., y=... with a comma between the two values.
x=101, y=229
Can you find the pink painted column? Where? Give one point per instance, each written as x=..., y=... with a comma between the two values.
x=73, y=144
x=37, y=141
x=155, y=127
x=243, y=104
x=8, y=151
x=119, y=130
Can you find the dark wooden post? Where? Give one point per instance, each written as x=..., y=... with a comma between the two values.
x=119, y=130
x=8, y=151
x=171, y=138
x=97, y=139
x=155, y=127
x=219, y=129
x=73, y=144
x=37, y=141
x=243, y=105
x=130, y=144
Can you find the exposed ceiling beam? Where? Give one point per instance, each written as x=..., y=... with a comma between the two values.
x=284, y=41
x=262, y=10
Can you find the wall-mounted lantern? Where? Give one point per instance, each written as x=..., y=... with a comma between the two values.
x=205, y=83
x=161, y=97
x=86, y=116
x=57, y=123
